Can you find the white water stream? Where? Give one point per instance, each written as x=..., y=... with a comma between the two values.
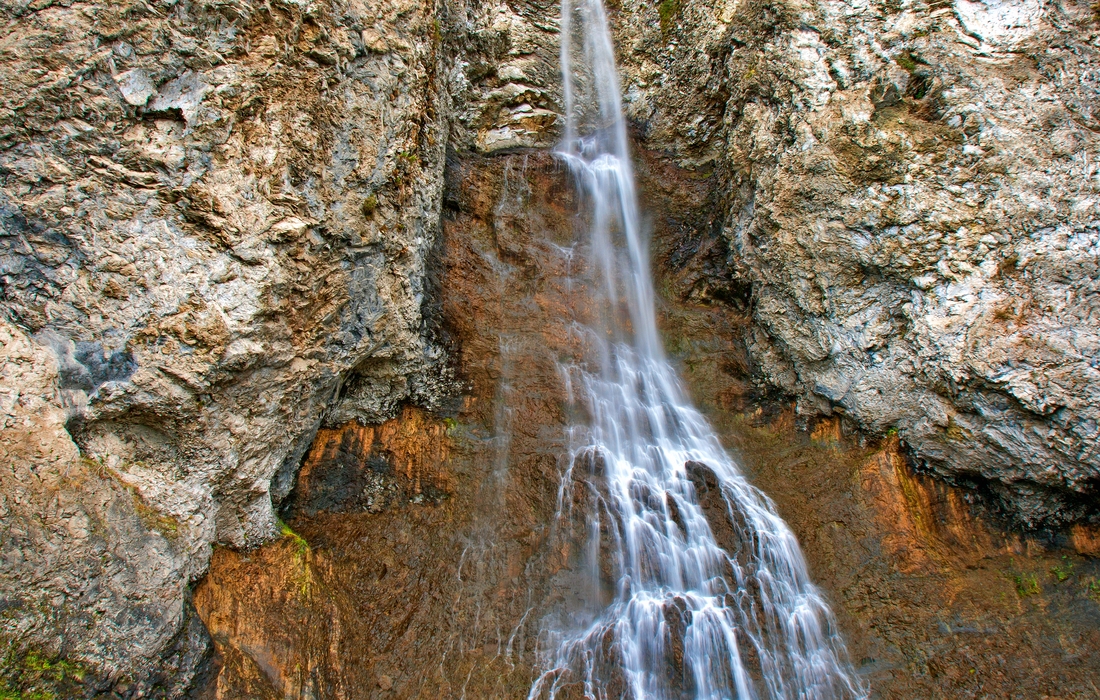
x=669, y=613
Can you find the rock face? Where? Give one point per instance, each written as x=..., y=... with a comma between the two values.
x=216, y=221
x=220, y=231
x=406, y=599
x=87, y=564
x=442, y=594
x=372, y=468
x=907, y=196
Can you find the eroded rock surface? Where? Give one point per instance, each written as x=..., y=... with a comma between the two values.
x=220, y=232
x=935, y=597
x=216, y=218
x=443, y=594
x=911, y=192
x=373, y=468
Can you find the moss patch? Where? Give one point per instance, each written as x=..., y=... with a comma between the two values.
x=33, y=675
x=303, y=576
x=150, y=517
x=369, y=205
x=1026, y=584
x=669, y=12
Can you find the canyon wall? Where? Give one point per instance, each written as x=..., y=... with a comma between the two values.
x=220, y=232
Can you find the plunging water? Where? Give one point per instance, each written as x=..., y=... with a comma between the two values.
x=670, y=613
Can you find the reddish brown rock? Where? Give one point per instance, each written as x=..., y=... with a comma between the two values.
x=446, y=597
x=372, y=467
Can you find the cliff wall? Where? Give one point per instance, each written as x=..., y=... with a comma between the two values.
x=220, y=231
x=906, y=195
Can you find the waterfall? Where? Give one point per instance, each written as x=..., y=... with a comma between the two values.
x=668, y=611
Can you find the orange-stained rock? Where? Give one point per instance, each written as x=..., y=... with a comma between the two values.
x=444, y=598
x=925, y=523
x=1086, y=539
x=371, y=467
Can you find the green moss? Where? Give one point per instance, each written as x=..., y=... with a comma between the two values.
x=907, y=61
x=1026, y=584
x=669, y=12
x=1092, y=590
x=1063, y=570
x=28, y=695
x=303, y=575
x=369, y=205
x=153, y=519
x=33, y=675
x=289, y=532
x=150, y=517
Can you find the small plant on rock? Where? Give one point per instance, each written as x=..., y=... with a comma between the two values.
x=1063, y=570
x=303, y=576
x=369, y=205
x=1026, y=585
x=1092, y=590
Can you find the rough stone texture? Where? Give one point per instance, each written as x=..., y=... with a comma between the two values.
x=430, y=597
x=354, y=467
x=437, y=599
x=217, y=216
x=910, y=191
x=88, y=568
x=220, y=220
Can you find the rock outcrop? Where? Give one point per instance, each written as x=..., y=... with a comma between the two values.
x=220, y=220
x=217, y=218
x=220, y=231
x=907, y=196
x=924, y=250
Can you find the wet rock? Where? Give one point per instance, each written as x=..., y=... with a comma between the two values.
x=373, y=468
x=903, y=200
x=443, y=596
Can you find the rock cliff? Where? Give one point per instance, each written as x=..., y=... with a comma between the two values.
x=216, y=223
x=220, y=231
x=908, y=198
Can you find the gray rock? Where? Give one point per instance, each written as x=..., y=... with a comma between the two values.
x=913, y=197
x=136, y=86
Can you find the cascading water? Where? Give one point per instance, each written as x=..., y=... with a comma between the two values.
x=669, y=613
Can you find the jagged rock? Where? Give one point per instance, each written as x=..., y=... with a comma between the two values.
x=179, y=200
